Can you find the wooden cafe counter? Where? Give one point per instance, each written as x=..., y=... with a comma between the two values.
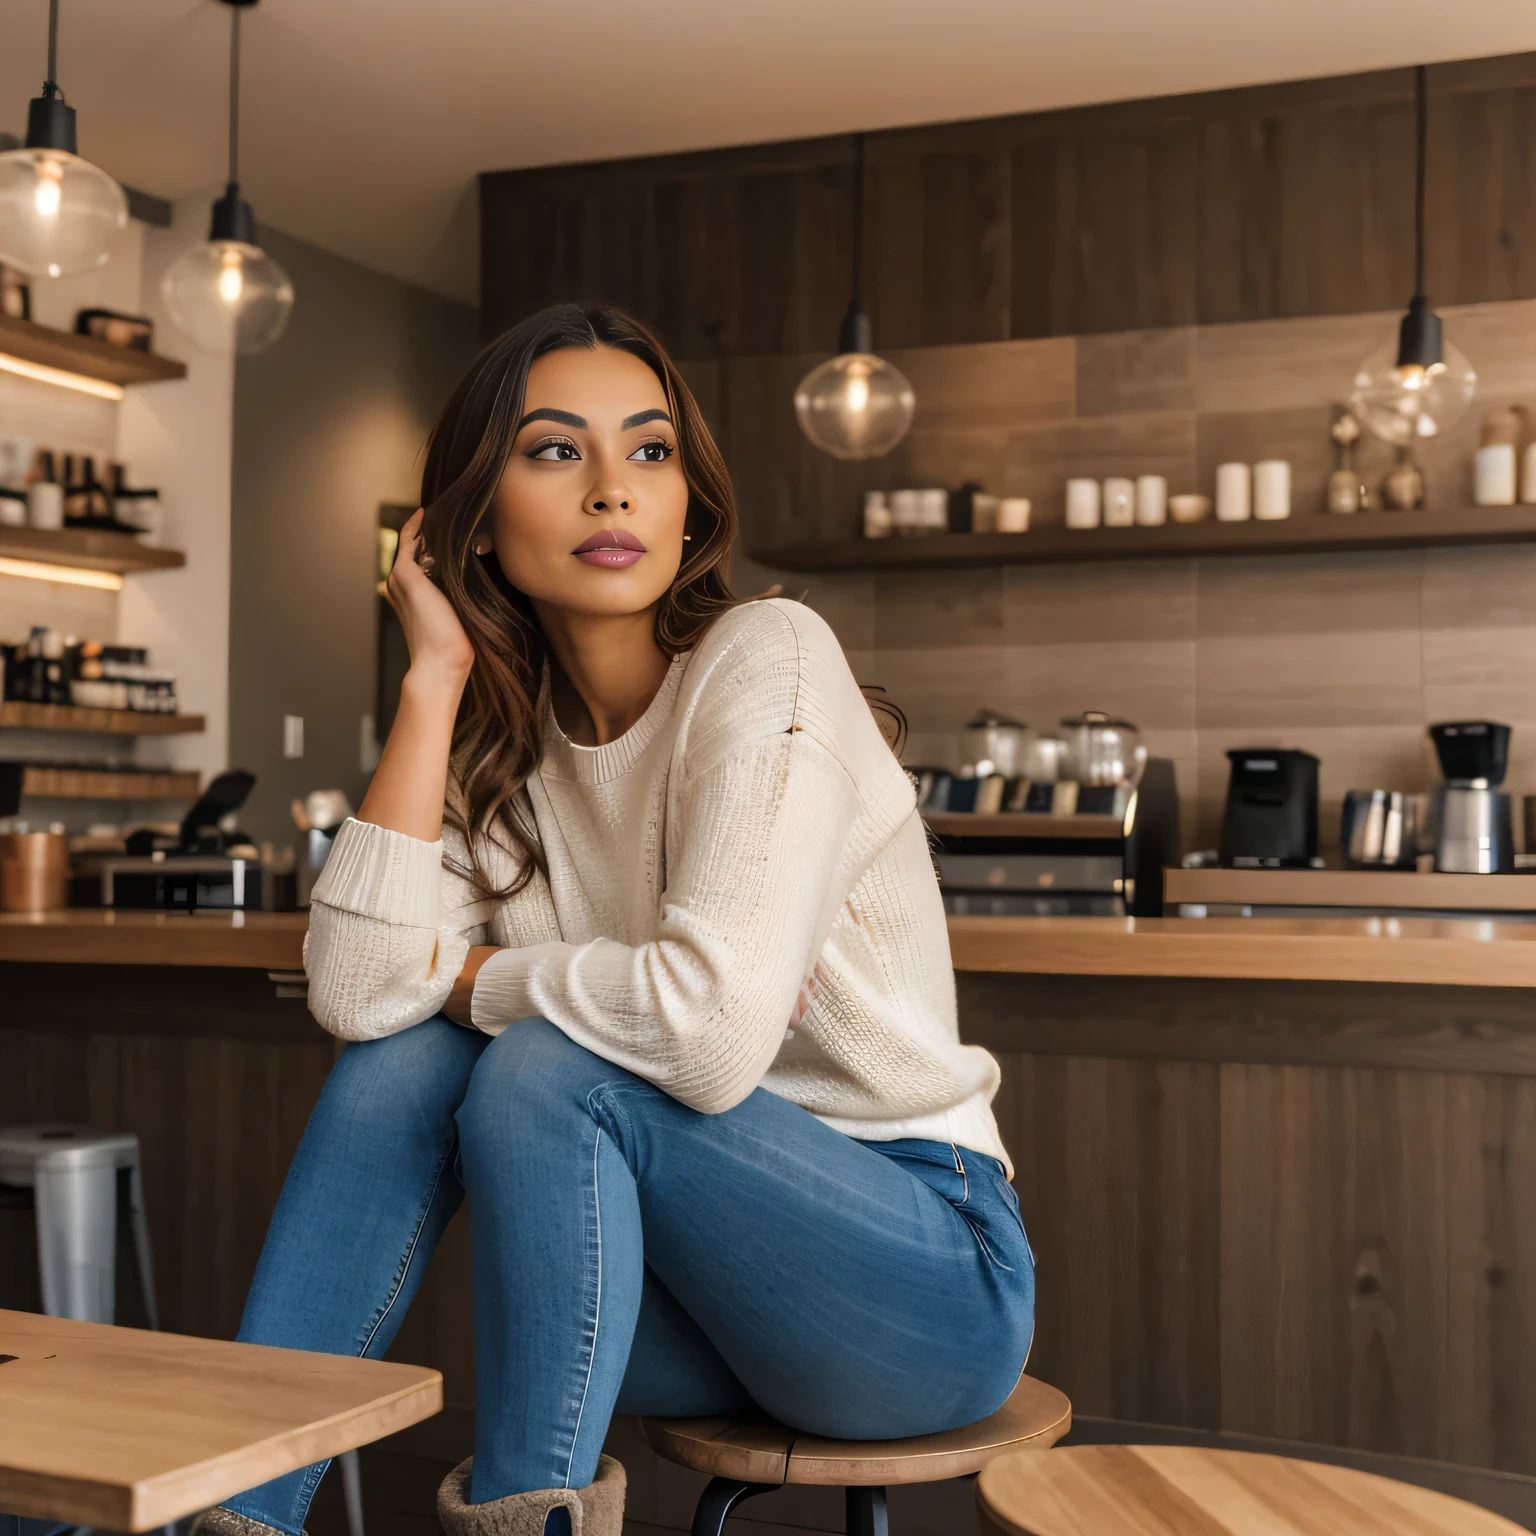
x=1279, y=1175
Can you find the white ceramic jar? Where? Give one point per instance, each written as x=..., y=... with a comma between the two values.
x=1234, y=493
x=1151, y=501
x=1082, y=503
x=1271, y=490
x=1119, y=503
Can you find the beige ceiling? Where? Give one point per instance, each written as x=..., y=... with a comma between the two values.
x=365, y=121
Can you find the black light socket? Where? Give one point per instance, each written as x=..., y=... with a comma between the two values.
x=1419, y=340
x=856, y=334
x=233, y=218
x=51, y=124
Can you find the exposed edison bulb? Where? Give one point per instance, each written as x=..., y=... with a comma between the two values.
x=59, y=214
x=1402, y=402
x=48, y=194
x=231, y=283
x=855, y=406
x=228, y=296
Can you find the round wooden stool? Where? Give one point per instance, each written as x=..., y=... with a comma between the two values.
x=750, y=1456
x=1150, y=1490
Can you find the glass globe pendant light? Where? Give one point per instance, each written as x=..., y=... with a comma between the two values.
x=1420, y=386
x=227, y=294
x=855, y=405
x=59, y=214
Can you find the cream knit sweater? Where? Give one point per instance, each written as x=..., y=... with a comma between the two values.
x=748, y=850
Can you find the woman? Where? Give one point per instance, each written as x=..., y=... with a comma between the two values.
x=639, y=940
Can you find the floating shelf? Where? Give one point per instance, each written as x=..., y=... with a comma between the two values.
x=86, y=551
x=1023, y=824
x=1302, y=533
x=103, y=784
x=111, y=722
x=85, y=355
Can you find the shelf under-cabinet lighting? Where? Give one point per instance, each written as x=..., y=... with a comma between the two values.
x=39, y=570
x=60, y=376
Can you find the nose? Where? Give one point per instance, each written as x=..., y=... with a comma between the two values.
x=609, y=499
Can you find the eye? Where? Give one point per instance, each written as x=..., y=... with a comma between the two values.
x=656, y=452
x=556, y=450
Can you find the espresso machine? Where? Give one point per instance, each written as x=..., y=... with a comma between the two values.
x=1474, y=826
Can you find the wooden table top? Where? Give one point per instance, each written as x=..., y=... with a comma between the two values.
x=126, y=1430
x=1145, y=1490
x=1408, y=950
x=98, y=936
x=1418, y=951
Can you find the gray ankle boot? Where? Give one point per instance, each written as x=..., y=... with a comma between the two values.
x=596, y=1510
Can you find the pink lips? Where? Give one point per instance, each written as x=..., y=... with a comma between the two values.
x=612, y=549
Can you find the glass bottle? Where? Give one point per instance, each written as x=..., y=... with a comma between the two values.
x=1344, y=494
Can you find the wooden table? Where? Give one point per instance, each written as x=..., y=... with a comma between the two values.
x=1146, y=1490
x=127, y=1430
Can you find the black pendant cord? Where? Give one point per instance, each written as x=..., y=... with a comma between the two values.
x=234, y=96
x=51, y=84
x=1421, y=156
x=858, y=220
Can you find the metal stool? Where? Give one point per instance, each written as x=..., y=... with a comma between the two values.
x=73, y=1174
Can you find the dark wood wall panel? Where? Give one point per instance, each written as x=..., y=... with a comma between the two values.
x=1284, y=200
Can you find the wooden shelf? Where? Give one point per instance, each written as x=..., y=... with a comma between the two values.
x=1302, y=533
x=99, y=360
x=112, y=722
x=119, y=552
x=102, y=784
x=1023, y=824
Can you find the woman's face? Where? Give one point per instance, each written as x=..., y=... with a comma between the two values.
x=588, y=517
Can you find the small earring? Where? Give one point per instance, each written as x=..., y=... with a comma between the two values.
x=687, y=538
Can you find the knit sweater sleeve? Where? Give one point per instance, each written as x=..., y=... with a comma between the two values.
x=391, y=921
x=767, y=849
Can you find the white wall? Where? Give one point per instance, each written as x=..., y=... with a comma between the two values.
x=175, y=436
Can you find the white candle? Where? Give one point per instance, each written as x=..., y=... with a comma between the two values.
x=1271, y=490
x=1493, y=475
x=1082, y=503
x=1234, y=493
x=1119, y=503
x=1013, y=514
x=1151, y=500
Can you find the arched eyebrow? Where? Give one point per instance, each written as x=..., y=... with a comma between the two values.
x=640, y=418
x=549, y=413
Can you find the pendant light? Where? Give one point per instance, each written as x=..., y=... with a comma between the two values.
x=855, y=405
x=1421, y=385
x=227, y=294
x=59, y=214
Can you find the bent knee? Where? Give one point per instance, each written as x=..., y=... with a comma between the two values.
x=529, y=1077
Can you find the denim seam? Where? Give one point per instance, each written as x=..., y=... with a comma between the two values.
x=965, y=1178
x=410, y=1251
x=597, y=1318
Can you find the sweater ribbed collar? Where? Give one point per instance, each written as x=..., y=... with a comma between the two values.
x=564, y=759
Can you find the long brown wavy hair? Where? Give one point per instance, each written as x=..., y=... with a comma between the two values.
x=498, y=736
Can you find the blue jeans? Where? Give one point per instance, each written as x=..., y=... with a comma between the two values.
x=633, y=1255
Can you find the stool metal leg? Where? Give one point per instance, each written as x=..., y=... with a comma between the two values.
x=140, y=1225
x=352, y=1488
x=77, y=1237
x=719, y=1499
x=867, y=1513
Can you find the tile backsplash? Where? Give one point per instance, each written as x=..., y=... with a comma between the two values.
x=1347, y=655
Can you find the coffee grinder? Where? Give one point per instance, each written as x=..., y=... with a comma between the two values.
x=1475, y=830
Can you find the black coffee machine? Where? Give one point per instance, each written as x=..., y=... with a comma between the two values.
x=1271, y=815
x=1474, y=827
